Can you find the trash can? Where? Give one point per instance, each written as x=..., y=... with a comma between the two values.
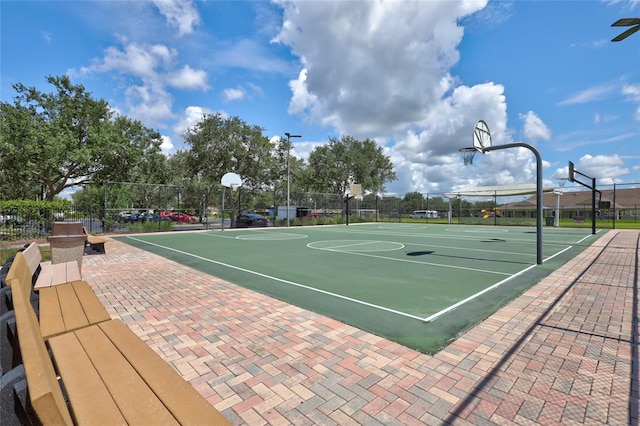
x=67, y=243
x=550, y=220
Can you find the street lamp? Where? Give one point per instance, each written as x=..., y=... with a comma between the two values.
x=289, y=136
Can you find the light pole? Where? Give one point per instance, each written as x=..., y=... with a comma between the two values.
x=289, y=136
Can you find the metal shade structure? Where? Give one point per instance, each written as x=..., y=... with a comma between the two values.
x=498, y=191
x=634, y=23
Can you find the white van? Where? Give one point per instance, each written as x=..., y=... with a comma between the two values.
x=424, y=214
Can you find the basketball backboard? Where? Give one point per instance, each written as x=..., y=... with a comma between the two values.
x=231, y=179
x=481, y=137
x=572, y=172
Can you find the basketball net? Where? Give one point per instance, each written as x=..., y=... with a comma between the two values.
x=467, y=155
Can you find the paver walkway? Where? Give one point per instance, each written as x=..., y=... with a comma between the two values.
x=565, y=352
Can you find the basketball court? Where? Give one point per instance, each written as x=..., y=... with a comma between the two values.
x=418, y=285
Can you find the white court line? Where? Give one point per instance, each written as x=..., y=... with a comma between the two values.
x=446, y=237
x=588, y=236
x=360, y=302
x=464, y=268
x=472, y=249
x=248, y=271
x=480, y=293
x=347, y=246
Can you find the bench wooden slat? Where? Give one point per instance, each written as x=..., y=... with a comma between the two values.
x=73, y=273
x=51, y=319
x=72, y=312
x=137, y=403
x=59, y=275
x=182, y=399
x=69, y=306
x=33, y=257
x=93, y=308
x=84, y=380
x=45, y=276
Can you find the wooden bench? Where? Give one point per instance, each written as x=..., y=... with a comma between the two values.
x=96, y=244
x=107, y=373
x=50, y=274
x=63, y=307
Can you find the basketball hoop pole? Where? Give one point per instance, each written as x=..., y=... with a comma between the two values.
x=538, y=190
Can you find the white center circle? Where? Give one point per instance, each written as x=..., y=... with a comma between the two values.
x=357, y=246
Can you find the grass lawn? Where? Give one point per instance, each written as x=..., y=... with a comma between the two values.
x=6, y=253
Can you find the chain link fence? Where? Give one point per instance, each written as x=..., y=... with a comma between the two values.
x=616, y=206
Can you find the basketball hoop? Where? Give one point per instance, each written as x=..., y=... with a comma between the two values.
x=234, y=186
x=467, y=155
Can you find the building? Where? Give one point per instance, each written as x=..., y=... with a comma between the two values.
x=625, y=203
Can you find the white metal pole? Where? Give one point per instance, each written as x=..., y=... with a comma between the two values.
x=289, y=136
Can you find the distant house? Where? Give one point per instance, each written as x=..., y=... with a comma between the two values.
x=577, y=204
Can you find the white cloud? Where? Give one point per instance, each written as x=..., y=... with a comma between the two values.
x=150, y=103
x=366, y=83
x=180, y=14
x=188, y=78
x=632, y=93
x=360, y=79
x=166, y=146
x=153, y=65
x=607, y=169
x=139, y=60
x=47, y=36
x=192, y=115
x=590, y=94
x=233, y=94
x=534, y=127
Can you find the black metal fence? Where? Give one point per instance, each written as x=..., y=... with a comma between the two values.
x=617, y=205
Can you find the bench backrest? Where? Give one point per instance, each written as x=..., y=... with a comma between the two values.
x=44, y=390
x=33, y=257
x=20, y=275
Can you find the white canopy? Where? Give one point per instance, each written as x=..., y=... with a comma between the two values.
x=497, y=191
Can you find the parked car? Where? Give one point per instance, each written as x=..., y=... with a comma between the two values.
x=250, y=220
x=143, y=217
x=312, y=216
x=123, y=217
x=183, y=218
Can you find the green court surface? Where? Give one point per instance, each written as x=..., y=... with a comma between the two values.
x=418, y=285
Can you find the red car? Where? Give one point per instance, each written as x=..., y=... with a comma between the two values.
x=183, y=218
x=312, y=216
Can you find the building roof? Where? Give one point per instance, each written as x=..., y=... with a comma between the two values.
x=579, y=200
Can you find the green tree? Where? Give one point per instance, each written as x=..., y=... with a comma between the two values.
x=413, y=201
x=54, y=141
x=437, y=203
x=335, y=166
x=220, y=145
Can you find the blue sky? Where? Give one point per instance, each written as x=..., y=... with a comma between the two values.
x=413, y=76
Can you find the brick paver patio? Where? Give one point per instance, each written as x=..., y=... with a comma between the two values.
x=565, y=352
